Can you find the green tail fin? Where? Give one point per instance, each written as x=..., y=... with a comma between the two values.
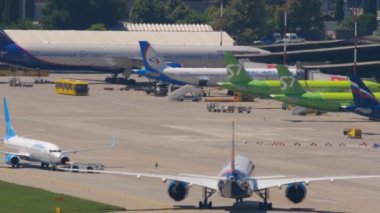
x=289, y=83
x=236, y=72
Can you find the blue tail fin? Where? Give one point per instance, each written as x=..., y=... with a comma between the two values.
x=9, y=131
x=363, y=97
x=153, y=62
x=5, y=40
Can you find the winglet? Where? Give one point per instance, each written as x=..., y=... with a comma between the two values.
x=233, y=147
x=236, y=72
x=9, y=131
x=153, y=62
x=289, y=83
x=113, y=142
x=363, y=97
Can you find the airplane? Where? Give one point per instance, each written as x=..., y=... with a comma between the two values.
x=235, y=181
x=108, y=58
x=365, y=103
x=21, y=148
x=157, y=69
x=240, y=81
x=294, y=94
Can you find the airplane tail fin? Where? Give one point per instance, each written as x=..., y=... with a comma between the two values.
x=289, y=83
x=153, y=62
x=9, y=131
x=361, y=94
x=236, y=72
x=233, y=147
x=5, y=40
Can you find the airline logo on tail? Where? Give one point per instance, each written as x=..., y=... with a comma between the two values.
x=362, y=95
x=152, y=60
x=289, y=83
x=234, y=70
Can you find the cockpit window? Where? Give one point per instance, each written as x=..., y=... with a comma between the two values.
x=54, y=150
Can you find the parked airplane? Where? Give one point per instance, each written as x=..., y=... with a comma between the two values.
x=21, y=148
x=365, y=102
x=108, y=58
x=159, y=70
x=295, y=94
x=234, y=181
x=240, y=81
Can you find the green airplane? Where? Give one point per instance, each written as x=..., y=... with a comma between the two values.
x=240, y=81
x=295, y=94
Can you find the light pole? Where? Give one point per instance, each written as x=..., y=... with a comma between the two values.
x=221, y=22
x=285, y=30
x=355, y=11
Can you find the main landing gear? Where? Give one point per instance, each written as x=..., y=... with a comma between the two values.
x=264, y=194
x=114, y=79
x=206, y=194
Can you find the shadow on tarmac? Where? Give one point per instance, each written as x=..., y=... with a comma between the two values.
x=246, y=206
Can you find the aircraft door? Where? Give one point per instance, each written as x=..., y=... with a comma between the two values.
x=203, y=81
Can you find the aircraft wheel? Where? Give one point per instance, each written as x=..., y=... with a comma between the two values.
x=200, y=205
x=209, y=205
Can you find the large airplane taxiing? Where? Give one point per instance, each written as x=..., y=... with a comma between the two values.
x=365, y=102
x=235, y=181
x=21, y=148
x=157, y=69
x=108, y=58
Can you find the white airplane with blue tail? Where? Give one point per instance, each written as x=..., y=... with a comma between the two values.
x=235, y=181
x=21, y=148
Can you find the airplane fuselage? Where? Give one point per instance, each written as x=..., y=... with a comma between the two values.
x=235, y=186
x=110, y=58
x=34, y=150
x=212, y=76
x=266, y=88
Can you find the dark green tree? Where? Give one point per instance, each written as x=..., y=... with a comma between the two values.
x=166, y=11
x=147, y=11
x=245, y=20
x=339, y=11
x=370, y=6
x=305, y=18
x=81, y=14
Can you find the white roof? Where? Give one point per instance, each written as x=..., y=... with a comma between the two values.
x=168, y=27
x=119, y=37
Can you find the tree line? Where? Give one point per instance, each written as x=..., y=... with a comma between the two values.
x=244, y=20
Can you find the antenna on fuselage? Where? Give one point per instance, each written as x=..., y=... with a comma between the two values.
x=233, y=147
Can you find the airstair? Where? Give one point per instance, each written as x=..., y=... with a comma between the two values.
x=179, y=94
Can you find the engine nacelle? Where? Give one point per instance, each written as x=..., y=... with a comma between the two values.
x=296, y=192
x=12, y=159
x=64, y=160
x=178, y=190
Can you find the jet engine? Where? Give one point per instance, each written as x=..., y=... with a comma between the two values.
x=64, y=160
x=296, y=192
x=178, y=190
x=12, y=160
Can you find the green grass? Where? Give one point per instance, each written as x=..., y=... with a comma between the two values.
x=17, y=198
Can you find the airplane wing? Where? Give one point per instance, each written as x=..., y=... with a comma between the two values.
x=259, y=184
x=20, y=154
x=223, y=178
x=110, y=146
x=210, y=183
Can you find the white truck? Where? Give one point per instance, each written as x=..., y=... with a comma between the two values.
x=291, y=38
